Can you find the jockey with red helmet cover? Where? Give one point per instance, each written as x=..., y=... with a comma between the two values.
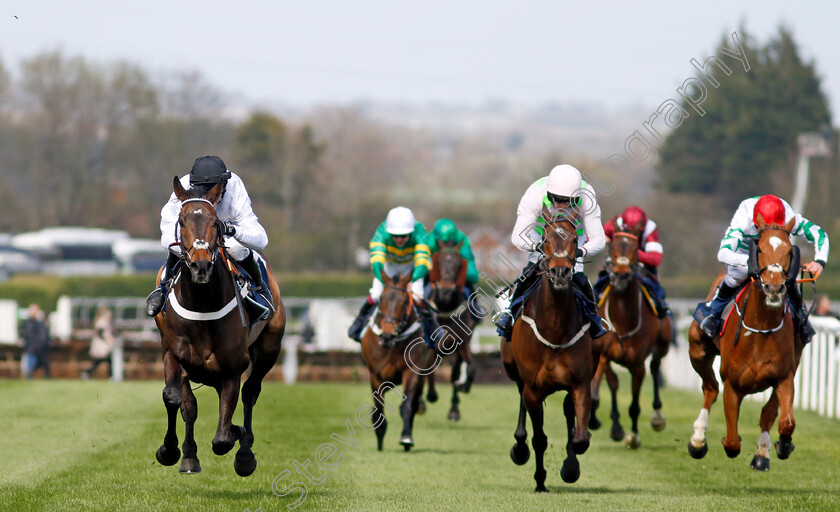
x=562, y=189
x=734, y=252
x=635, y=221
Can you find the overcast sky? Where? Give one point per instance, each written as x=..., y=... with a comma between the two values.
x=308, y=52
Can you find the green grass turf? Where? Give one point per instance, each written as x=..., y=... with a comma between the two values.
x=78, y=446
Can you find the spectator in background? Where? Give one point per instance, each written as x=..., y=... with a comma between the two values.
x=102, y=343
x=36, y=343
x=824, y=307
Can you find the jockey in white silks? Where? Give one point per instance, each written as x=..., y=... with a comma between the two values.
x=562, y=189
x=243, y=232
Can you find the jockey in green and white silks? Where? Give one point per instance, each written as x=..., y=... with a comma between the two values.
x=398, y=248
x=446, y=233
x=563, y=188
x=734, y=252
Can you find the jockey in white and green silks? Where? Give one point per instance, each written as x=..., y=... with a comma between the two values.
x=398, y=248
x=563, y=188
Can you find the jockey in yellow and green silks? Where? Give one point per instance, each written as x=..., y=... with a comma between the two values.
x=444, y=234
x=398, y=248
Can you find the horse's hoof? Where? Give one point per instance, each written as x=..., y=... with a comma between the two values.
x=617, y=432
x=454, y=415
x=580, y=447
x=166, y=456
x=189, y=466
x=594, y=422
x=223, y=447
x=520, y=453
x=407, y=442
x=421, y=407
x=698, y=453
x=732, y=452
x=633, y=440
x=784, y=448
x=657, y=421
x=570, y=472
x=432, y=396
x=245, y=464
x=540, y=488
x=760, y=463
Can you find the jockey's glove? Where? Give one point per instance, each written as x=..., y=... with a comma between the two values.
x=230, y=229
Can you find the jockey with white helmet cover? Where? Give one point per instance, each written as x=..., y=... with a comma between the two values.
x=398, y=248
x=563, y=188
x=243, y=232
x=735, y=253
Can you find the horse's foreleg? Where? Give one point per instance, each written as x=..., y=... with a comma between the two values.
x=431, y=393
x=380, y=423
x=520, y=453
x=262, y=361
x=633, y=439
x=413, y=387
x=761, y=460
x=595, y=393
x=168, y=453
x=457, y=378
x=731, y=408
x=616, y=431
x=784, y=391
x=533, y=403
x=466, y=363
x=657, y=420
x=575, y=405
x=702, y=358
x=227, y=434
x=189, y=411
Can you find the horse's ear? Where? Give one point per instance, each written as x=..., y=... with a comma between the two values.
x=760, y=222
x=215, y=193
x=180, y=193
x=386, y=279
x=403, y=281
x=790, y=224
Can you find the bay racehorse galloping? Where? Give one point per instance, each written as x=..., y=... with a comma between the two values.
x=758, y=350
x=635, y=333
x=205, y=338
x=448, y=278
x=550, y=351
x=392, y=340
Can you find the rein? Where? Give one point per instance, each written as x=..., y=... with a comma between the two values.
x=400, y=323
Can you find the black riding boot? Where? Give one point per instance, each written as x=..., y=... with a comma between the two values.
x=155, y=300
x=596, y=328
x=355, y=330
x=250, y=264
x=800, y=314
x=429, y=322
x=523, y=282
x=708, y=313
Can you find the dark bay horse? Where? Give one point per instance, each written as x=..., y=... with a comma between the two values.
x=205, y=338
x=392, y=340
x=550, y=351
x=635, y=333
x=758, y=348
x=448, y=278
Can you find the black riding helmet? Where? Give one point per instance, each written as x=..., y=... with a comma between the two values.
x=207, y=171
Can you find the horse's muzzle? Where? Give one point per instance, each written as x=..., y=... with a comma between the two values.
x=775, y=294
x=621, y=281
x=560, y=277
x=200, y=271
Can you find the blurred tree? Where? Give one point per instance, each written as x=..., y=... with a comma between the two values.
x=745, y=144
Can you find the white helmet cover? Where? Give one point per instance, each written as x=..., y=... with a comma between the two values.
x=564, y=180
x=400, y=221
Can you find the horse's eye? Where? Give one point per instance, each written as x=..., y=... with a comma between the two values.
x=180, y=223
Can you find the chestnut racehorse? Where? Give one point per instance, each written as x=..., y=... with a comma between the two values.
x=205, y=336
x=448, y=278
x=395, y=354
x=635, y=333
x=758, y=350
x=550, y=351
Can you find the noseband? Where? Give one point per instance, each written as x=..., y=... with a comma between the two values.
x=199, y=243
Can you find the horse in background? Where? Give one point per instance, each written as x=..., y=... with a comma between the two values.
x=448, y=280
x=550, y=351
x=758, y=348
x=389, y=344
x=635, y=333
x=207, y=337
